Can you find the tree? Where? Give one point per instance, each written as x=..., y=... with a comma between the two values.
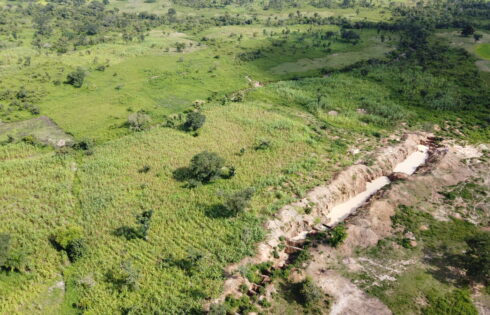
x=467, y=30
x=349, y=35
x=477, y=37
x=239, y=201
x=194, y=121
x=76, y=78
x=205, y=166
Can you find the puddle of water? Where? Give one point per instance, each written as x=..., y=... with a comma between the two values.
x=408, y=166
x=413, y=161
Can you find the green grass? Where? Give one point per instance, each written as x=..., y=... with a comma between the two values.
x=104, y=191
x=483, y=50
x=147, y=76
x=42, y=189
x=431, y=283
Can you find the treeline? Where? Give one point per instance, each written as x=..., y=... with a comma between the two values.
x=62, y=26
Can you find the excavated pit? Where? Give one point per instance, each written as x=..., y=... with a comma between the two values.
x=333, y=203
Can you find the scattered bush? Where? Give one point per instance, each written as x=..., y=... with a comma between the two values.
x=70, y=239
x=76, y=78
x=336, y=235
x=239, y=201
x=12, y=259
x=242, y=305
x=139, y=121
x=143, y=221
x=194, y=121
x=237, y=97
x=4, y=248
x=144, y=169
x=123, y=277
x=263, y=144
x=85, y=145
x=310, y=293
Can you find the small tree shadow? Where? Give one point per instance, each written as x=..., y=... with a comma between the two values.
x=217, y=211
x=292, y=292
x=181, y=174
x=448, y=268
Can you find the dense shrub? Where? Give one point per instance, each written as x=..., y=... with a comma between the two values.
x=76, y=78
x=205, y=166
x=250, y=55
x=217, y=309
x=143, y=221
x=337, y=235
x=310, y=294
x=194, y=121
x=349, y=35
x=467, y=30
x=456, y=302
x=139, y=121
x=239, y=201
x=123, y=277
x=70, y=239
x=4, y=248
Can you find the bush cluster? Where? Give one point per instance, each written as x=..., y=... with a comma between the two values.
x=70, y=239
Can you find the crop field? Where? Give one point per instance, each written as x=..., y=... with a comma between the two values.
x=104, y=107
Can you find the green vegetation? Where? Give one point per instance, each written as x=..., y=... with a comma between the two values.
x=447, y=249
x=483, y=50
x=71, y=240
x=194, y=121
x=239, y=201
x=110, y=109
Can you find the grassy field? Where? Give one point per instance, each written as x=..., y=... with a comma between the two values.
x=483, y=51
x=147, y=76
x=105, y=191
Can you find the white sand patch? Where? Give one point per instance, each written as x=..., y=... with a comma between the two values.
x=408, y=166
x=342, y=211
x=413, y=161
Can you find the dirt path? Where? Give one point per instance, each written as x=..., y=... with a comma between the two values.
x=348, y=298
